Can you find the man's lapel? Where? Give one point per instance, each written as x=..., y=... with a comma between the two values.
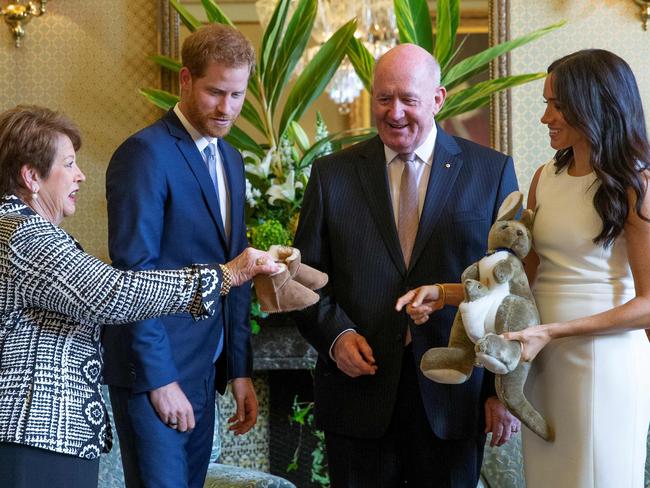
x=236, y=186
x=447, y=162
x=195, y=161
x=374, y=181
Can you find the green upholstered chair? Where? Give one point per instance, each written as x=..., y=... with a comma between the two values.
x=502, y=466
x=225, y=476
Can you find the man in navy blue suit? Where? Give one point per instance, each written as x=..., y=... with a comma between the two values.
x=409, y=207
x=176, y=195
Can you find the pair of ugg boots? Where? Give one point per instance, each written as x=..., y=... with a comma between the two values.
x=292, y=287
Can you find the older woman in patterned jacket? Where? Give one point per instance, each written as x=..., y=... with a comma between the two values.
x=54, y=299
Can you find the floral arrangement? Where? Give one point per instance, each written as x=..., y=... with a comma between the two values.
x=276, y=182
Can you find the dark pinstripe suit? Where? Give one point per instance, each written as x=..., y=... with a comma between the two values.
x=347, y=229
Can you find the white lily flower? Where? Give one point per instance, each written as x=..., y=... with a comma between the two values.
x=258, y=167
x=286, y=191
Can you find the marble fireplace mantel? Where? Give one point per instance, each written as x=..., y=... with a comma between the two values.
x=279, y=345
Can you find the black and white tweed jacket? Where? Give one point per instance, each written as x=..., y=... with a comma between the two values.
x=54, y=300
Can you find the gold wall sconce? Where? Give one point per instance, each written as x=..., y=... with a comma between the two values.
x=645, y=12
x=19, y=13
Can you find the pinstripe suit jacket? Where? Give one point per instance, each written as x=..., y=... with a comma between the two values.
x=54, y=299
x=347, y=229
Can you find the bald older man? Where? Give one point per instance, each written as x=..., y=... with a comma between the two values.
x=412, y=206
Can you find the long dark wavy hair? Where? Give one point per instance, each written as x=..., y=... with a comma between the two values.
x=598, y=96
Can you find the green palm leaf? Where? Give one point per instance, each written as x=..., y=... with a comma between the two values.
x=362, y=61
x=479, y=94
x=447, y=19
x=337, y=140
x=472, y=65
x=160, y=98
x=191, y=22
x=316, y=75
x=254, y=86
x=414, y=23
x=290, y=50
x=167, y=62
x=250, y=113
x=444, y=68
x=343, y=139
x=243, y=141
x=272, y=35
x=215, y=14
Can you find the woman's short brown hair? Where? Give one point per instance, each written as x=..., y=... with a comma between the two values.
x=28, y=136
x=217, y=43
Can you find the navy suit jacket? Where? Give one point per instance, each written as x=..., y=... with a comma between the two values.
x=163, y=213
x=347, y=229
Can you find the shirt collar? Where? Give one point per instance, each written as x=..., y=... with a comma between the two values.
x=201, y=141
x=424, y=151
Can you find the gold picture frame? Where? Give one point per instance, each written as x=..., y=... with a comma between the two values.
x=500, y=114
x=169, y=28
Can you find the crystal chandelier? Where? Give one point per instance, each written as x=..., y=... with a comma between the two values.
x=376, y=28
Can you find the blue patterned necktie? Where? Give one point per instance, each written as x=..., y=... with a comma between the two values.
x=211, y=161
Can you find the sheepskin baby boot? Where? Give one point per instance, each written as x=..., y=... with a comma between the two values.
x=279, y=293
x=302, y=273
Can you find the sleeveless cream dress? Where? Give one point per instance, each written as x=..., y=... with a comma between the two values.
x=593, y=390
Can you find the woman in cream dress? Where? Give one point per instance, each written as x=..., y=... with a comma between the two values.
x=590, y=271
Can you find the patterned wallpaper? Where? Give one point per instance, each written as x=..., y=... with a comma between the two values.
x=606, y=24
x=87, y=58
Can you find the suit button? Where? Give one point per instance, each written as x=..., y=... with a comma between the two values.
x=398, y=337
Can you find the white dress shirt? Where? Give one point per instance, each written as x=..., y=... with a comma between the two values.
x=222, y=182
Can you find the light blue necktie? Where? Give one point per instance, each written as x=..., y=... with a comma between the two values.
x=211, y=161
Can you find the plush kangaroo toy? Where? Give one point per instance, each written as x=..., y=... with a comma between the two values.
x=497, y=300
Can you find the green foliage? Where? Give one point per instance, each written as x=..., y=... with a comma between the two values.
x=302, y=414
x=316, y=75
x=270, y=232
x=160, y=98
x=414, y=23
x=256, y=315
x=319, y=473
x=362, y=60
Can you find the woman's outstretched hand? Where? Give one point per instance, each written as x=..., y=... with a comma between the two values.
x=250, y=263
x=421, y=302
